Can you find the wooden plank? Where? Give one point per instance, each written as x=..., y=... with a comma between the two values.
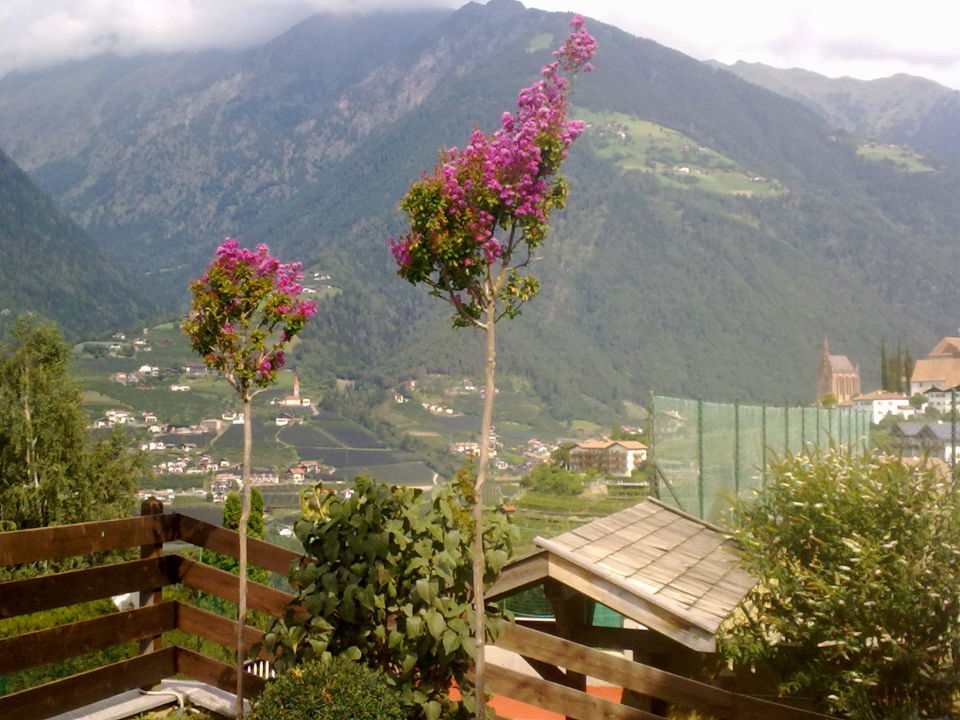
x=84, y=688
x=611, y=638
x=547, y=671
x=216, y=628
x=223, y=584
x=226, y=542
x=24, y=546
x=519, y=574
x=557, y=698
x=628, y=602
x=50, y=591
x=213, y=672
x=65, y=641
x=645, y=679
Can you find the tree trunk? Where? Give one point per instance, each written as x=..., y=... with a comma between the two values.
x=242, y=530
x=479, y=563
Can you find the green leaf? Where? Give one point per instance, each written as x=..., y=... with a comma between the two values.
x=431, y=710
x=435, y=624
x=451, y=641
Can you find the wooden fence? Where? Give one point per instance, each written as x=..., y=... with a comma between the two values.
x=555, y=690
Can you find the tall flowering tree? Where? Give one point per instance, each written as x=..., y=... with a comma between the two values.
x=245, y=310
x=474, y=224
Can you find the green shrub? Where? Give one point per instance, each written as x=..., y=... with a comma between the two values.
x=333, y=690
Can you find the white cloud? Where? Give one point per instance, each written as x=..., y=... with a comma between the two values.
x=34, y=33
x=835, y=37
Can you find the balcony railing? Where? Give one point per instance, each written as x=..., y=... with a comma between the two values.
x=146, y=624
x=561, y=663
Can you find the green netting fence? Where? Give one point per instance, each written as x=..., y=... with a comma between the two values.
x=707, y=454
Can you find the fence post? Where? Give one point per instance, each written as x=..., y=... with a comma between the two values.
x=151, y=506
x=803, y=428
x=700, y=457
x=736, y=449
x=763, y=444
x=786, y=428
x=953, y=427
x=653, y=476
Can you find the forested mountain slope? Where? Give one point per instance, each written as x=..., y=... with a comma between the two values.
x=49, y=266
x=716, y=231
x=902, y=109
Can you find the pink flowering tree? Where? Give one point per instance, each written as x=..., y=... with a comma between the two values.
x=245, y=310
x=474, y=224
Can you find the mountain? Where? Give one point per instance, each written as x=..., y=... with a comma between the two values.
x=716, y=231
x=901, y=109
x=52, y=268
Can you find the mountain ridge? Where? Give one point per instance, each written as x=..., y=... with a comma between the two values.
x=646, y=284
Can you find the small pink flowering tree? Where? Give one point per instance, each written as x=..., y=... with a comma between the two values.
x=245, y=310
x=474, y=223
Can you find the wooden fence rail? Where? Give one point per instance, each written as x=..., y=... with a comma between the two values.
x=644, y=679
x=154, y=571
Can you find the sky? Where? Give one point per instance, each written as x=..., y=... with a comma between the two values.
x=832, y=37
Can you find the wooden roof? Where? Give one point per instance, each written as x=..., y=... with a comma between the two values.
x=655, y=564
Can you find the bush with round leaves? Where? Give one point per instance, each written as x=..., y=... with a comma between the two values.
x=388, y=582
x=335, y=689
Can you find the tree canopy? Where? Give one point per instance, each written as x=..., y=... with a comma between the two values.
x=51, y=471
x=858, y=603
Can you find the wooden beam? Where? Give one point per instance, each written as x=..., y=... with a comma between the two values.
x=645, y=679
x=224, y=584
x=24, y=546
x=151, y=507
x=213, y=672
x=216, y=628
x=557, y=698
x=633, y=606
x=72, y=692
x=226, y=542
x=547, y=671
x=50, y=591
x=65, y=641
x=611, y=638
x=570, y=608
x=519, y=574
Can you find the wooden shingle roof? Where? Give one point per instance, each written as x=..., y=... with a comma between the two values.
x=679, y=572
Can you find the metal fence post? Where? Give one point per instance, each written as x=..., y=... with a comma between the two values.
x=736, y=448
x=786, y=427
x=700, y=456
x=763, y=445
x=653, y=475
x=953, y=428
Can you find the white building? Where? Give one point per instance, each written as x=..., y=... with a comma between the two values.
x=881, y=403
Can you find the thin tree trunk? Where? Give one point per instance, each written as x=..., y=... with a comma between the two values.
x=479, y=563
x=242, y=530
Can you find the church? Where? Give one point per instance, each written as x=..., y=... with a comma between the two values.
x=837, y=375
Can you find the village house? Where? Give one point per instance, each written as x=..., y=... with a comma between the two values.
x=615, y=458
x=940, y=369
x=941, y=400
x=296, y=475
x=933, y=439
x=881, y=403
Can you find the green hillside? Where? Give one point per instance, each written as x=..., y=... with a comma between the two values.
x=718, y=281
x=51, y=267
x=677, y=160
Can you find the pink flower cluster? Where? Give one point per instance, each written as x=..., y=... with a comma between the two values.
x=499, y=179
x=240, y=305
